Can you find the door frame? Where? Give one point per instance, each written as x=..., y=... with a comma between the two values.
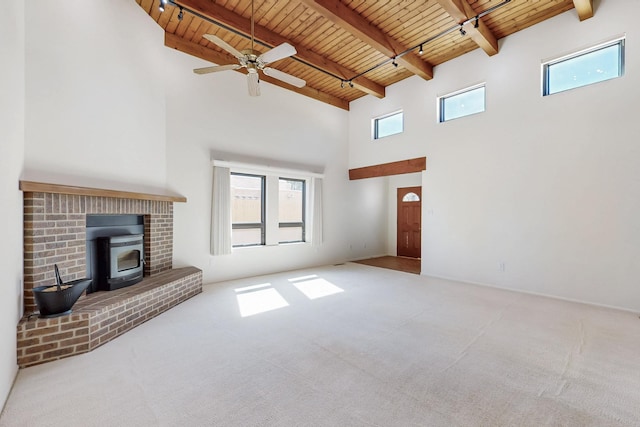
x=405, y=190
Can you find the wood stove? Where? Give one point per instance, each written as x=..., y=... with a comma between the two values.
x=120, y=261
x=115, y=251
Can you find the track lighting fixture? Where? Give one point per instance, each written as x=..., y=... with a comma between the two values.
x=459, y=26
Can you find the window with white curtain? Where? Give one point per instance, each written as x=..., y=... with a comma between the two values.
x=265, y=207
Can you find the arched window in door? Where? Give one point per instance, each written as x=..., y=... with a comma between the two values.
x=411, y=197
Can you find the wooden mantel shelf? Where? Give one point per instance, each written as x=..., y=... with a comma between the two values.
x=41, y=187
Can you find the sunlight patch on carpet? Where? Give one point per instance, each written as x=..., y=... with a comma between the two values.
x=314, y=287
x=259, y=299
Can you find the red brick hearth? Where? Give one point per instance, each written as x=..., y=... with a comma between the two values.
x=55, y=233
x=102, y=316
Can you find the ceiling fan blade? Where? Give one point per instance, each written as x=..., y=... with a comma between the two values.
x=224, y=45
x=287, y=78
x=216, y=68
x=253, y=81
x=277, y=53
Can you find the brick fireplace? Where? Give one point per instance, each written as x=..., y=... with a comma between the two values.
x=55, y=233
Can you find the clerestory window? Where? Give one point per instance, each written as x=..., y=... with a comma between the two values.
x=586, y=67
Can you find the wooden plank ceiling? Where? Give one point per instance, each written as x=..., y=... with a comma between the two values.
x=349, y=48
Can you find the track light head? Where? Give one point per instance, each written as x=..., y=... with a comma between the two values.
x=421, y=51
x=180, y=14
x=162, y=4
x=395, y=64
x=350, y=84
x=477, y=23
x=342, y=84
x=462, y=31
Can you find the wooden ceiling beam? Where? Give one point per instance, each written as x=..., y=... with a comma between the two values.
x=221, y=15
x=346, y=18
x=176, y=42
x=461, y=11
x=386, y=169
x=584, y=8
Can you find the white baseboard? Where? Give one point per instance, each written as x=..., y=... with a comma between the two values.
x=540, y=294
x=13, y=383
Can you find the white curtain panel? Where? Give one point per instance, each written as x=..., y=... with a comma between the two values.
x=221, y=212
x=316, y=212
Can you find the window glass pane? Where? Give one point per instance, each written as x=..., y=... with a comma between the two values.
x=246, y=199
x=291, y=200
x=247, y=209
x=588, y=68
x=246, y=236
x=390, y=125
x=290, y=234
x=411, y=197
x=462, y=104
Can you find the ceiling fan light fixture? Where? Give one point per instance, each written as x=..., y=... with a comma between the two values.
x=253, y=82
x=252, y=60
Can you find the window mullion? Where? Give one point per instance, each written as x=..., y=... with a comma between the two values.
x=271, y=210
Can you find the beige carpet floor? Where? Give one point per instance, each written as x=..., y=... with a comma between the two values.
x=349, y=345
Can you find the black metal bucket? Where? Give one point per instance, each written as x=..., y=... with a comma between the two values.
x=59, y=302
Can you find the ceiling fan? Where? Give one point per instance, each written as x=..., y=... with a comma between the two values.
x=254, y=61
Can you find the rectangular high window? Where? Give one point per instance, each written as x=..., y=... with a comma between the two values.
x=247, y=210
x=388, y=125
x=461, y=103
x=291, y=210
x=596, y=64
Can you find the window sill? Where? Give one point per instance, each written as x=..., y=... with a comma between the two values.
x=275, y=245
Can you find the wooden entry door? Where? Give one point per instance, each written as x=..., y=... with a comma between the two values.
x=409, y=222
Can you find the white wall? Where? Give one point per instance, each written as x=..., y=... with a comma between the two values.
x=212, y=116
x=547, y=186
x=95, y=105
x=11, y=161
